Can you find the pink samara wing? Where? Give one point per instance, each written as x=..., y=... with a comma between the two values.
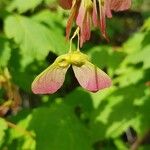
x=50, y=80
x=91, y=77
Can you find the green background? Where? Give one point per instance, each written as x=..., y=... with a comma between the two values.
x=32, y=35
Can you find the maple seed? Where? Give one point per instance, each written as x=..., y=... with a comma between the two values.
x=88, y=75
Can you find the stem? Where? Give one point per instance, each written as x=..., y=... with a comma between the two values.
x=74, y=34
x=20, y=129
x=78, y=46
x=140, y=140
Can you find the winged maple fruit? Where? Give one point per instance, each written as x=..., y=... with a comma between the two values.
x=88, y=75
x=86, y=12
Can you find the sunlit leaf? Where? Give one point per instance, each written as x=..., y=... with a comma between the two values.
x=24, y=5
x=34, y=39
x=5, y=52
x=3, y=127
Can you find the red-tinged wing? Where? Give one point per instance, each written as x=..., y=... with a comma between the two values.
x=72, y=17
x=91, y=77
x=50, y=80
x=66, y=4
x=120, y=5
x=95, y=14
x=102, y=18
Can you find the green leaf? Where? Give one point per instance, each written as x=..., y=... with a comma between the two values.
x=49, y=1
x=24, y=5
x=141, y=56
x=106, y=57
x=134, y=43
x=51, y=19
x=32, y=37
x=3, y=127
x=80, y=98
x=35, y=40
x=129, y=75
x=147, y=24
x=144, y=147
x=57, y=28
x=19, y=137
x=100, y=56
x=57, y=128
x=5, y=52
x=123, y=108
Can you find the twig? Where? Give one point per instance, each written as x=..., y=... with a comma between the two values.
x=20, y=129
x=140, y=140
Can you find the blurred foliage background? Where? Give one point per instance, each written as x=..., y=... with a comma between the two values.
x=32, y=35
